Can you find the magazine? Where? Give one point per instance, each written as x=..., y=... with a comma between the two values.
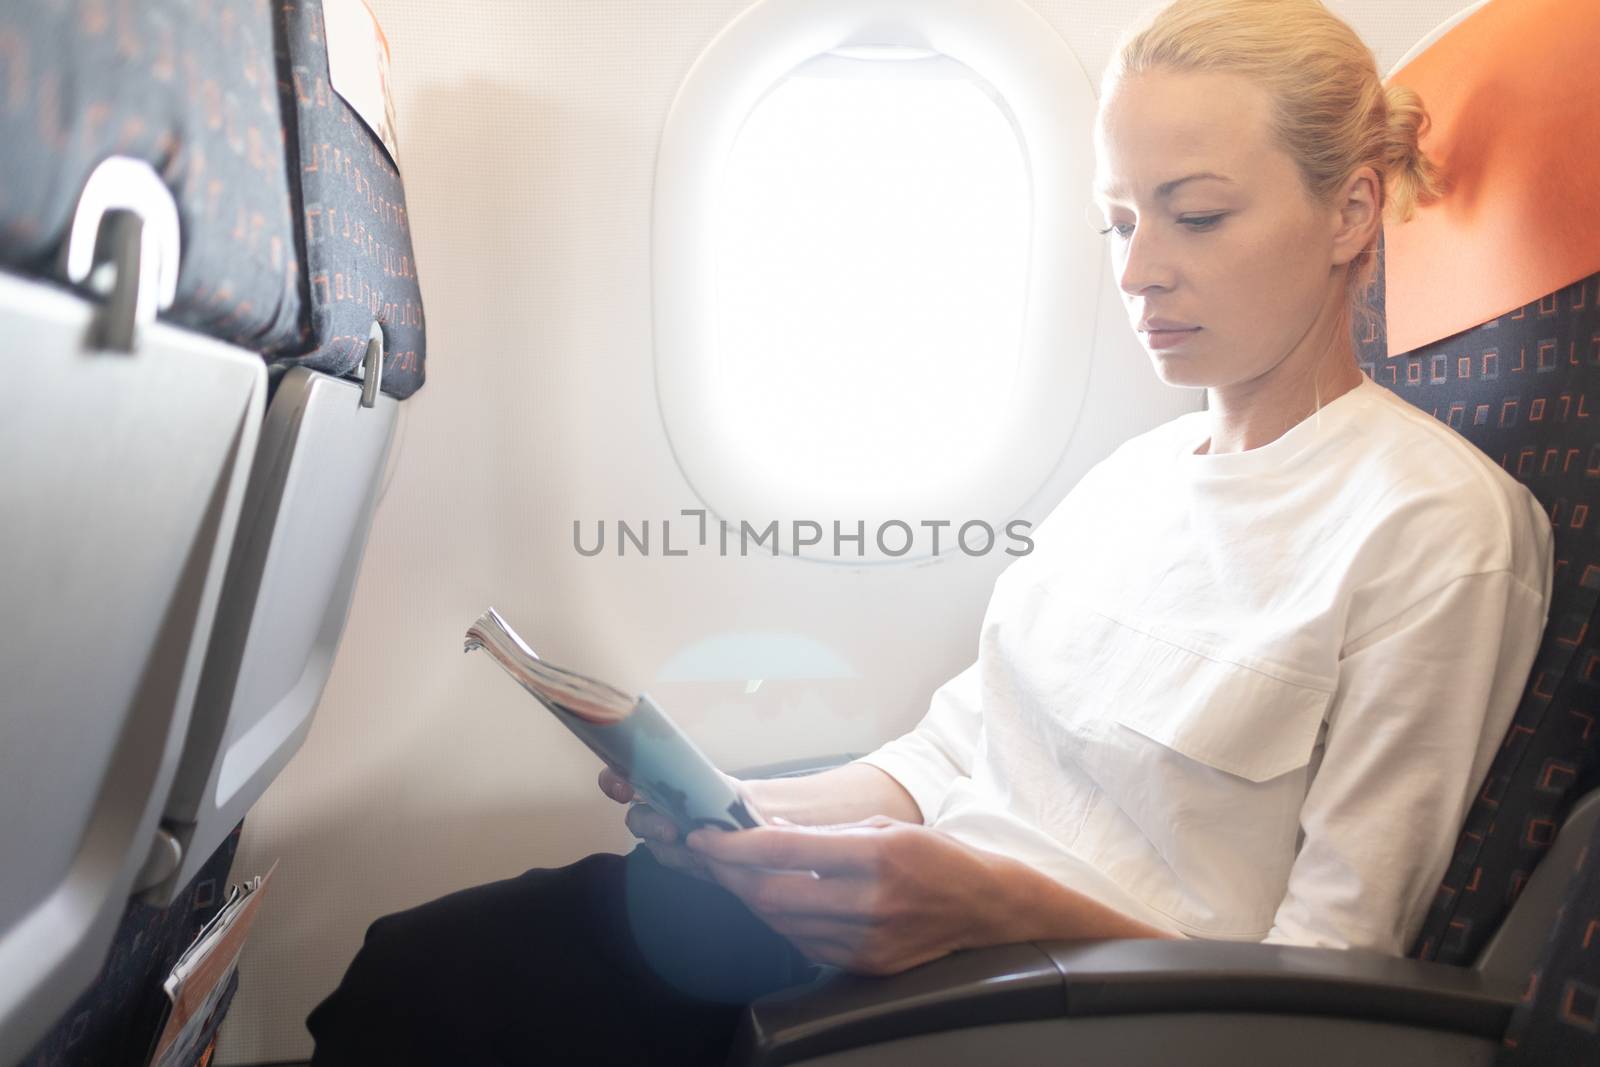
x=625, y=730
x=203, y=981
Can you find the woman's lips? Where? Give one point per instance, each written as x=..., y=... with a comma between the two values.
x=1170, y=338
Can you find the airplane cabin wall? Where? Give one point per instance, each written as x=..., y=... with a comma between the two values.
x=527, y=137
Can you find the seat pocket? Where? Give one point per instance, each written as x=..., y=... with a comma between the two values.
x=1237, y=719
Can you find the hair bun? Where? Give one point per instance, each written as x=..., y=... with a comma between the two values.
x=1410, y=177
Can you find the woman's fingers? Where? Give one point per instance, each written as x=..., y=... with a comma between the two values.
x=615, y=786
x=659, y=833
x=648, y=824
x=855, y=850
x=841, y=933
x=773, y=893
x=660, y=836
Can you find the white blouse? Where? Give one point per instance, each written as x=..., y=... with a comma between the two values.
x=1249, y=695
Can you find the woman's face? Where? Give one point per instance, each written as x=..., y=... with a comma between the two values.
x=1213, y=233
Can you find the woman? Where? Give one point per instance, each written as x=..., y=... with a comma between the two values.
x=1242, y=688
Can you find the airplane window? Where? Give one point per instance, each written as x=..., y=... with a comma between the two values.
x=871, y=261
x=875, y=300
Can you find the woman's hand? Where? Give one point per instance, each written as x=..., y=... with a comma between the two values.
x=659, y=833
x=888, y=895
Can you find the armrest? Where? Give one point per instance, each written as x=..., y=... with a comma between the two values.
x=839, y=1010
x=1141, y=976
x=1056, y=979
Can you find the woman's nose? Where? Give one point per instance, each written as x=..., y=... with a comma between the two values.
x=1145, y=265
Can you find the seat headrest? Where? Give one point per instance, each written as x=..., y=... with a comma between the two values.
x=1516, y=129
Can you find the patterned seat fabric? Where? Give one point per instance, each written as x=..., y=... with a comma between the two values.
x=293, y=222
x=191, y=90
x=1519, y=387
x=117, y=1019
x=354, y=229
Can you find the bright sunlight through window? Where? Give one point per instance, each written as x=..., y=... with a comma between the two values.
x=872, y=257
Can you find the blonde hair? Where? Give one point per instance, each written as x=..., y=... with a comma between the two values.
x=1331, y=112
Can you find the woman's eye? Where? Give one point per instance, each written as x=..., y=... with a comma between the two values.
x=1121, y=229
x=1201, y=222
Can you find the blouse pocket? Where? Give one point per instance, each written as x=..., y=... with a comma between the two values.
x=1230, y=717
x=1207, y=760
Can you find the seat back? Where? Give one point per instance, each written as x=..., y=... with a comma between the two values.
x=290, y=580
x=1492, y=325
x=124, y=475
x=117, y=1018
x=1558, y=1020
x=1525, y=388
x=180, y=541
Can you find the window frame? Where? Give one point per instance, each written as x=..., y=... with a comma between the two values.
x=1051, y=101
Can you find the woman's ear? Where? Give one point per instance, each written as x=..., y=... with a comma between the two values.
x=1359, y=215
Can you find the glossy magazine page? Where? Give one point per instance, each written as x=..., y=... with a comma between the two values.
x=630, y=733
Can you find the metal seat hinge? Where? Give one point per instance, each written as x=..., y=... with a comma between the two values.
x=124, y=246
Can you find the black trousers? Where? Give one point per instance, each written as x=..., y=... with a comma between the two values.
x=609, y=960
